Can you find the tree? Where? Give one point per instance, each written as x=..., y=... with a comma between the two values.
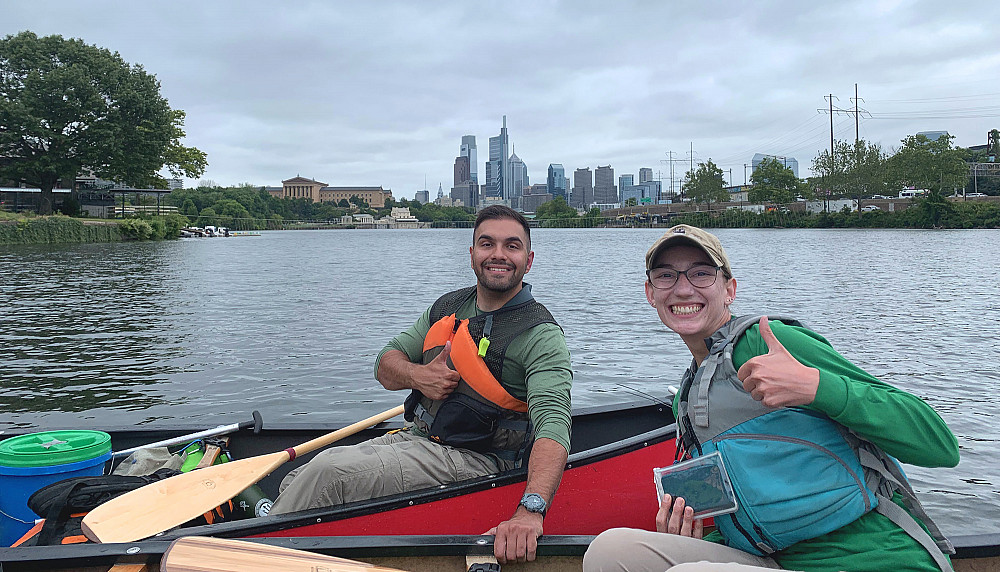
x=555, y=209
x=358, y=201
x=706, y=184
x=926, y=164
x=864, y=173
x=631, y=202
x=67, y=107
x=932, y=165
x=344, y=204
x=773, y=183
x=207, y=217
x=189, y=209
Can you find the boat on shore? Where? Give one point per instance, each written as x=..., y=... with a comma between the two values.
x=206, y=232
x=437, y=528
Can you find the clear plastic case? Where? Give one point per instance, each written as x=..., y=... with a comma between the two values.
x=702, y=482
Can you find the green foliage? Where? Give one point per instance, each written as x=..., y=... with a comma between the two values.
x=207, y=217
x=437, y=214
x=555, y=209
x=631, y=202
x=925, y=164
x=773, y=183
x=247, y=207
x=956, y=214
x=136, y=229
x=70, y=206
x=188, y=209
x=344, y=204
x=933, y=207
x=66, y=106
x=53, y=229
x=706, y=184
x=172, y=225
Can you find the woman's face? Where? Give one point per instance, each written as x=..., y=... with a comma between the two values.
x=692, y=312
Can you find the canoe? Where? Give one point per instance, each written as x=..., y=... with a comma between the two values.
x=619, y=444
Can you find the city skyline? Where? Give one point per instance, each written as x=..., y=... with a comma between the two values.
x=379, y=94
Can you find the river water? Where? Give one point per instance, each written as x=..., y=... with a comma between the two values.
x=289, y=322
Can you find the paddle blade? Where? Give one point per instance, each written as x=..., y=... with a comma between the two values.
x=204, y=554
x=171, y=502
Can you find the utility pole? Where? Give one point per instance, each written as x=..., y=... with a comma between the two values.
x=670, y=157
x=745, y=174
x=830, y=98
x=857, y=128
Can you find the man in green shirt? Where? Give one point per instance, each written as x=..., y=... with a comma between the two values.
x=489, y=377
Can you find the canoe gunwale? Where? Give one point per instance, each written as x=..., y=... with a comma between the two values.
x=968, y=546
x=273, y=523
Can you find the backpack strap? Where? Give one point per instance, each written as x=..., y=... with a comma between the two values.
x=884, y=476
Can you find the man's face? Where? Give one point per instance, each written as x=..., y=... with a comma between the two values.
x=501, y=255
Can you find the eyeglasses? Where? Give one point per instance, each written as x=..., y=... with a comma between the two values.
x=700, y=276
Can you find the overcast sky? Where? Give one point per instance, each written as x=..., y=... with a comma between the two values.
x=380, y=93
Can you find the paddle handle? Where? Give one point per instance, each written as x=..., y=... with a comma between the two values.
x=323, y=441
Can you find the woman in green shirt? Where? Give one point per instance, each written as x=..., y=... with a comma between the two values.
x=784, y=369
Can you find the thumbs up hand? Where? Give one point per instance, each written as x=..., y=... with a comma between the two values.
x=776, y=378
x=435, y=379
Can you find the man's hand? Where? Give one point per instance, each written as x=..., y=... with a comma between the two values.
x=435, y=380
x=675, y=518
x=517, y=539
x=776, y=378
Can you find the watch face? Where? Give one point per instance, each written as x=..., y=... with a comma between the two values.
x=533, y=502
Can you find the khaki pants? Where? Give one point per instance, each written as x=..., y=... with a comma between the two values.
x=630, y=550
x=386, y=465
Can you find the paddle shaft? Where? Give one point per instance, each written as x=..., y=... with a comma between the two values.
x=206, y=554
x=171, y=502
x=324, y=440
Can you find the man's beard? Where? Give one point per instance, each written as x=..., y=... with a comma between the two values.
x=499, y=285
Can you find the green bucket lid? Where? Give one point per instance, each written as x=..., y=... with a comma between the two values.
x=50, y=448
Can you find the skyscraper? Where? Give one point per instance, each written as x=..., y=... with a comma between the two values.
x=469, y=150
x=464, y=189
x=645, y=175
x=556, y=182
x=605, y=191
x=462, y=172
x=497, y=168
x=518, y=179
x=583, y=189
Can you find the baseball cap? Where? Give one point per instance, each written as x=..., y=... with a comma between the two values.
x=693, y=236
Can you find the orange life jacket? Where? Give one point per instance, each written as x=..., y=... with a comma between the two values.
x=480, y=414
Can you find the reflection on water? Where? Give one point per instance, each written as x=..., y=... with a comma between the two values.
x=290, y=322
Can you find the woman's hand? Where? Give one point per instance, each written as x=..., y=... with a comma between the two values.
x=776, y=378
x=676, y=518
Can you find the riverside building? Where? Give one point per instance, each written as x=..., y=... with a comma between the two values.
x=317, y=192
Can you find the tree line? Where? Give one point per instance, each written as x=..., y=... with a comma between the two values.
x=857, y=171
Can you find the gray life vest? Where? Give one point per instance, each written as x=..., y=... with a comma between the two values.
x=796, y=473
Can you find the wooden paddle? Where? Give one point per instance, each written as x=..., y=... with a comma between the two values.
x=171, y=502
x=205, y=554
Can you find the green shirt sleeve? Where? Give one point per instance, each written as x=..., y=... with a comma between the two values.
x=900, y=423
x=537, y=369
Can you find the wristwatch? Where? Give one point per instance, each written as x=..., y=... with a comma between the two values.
x=533, y=502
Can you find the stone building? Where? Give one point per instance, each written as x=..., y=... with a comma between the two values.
x=317, y=192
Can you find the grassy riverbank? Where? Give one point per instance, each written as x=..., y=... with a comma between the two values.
x=27, y=229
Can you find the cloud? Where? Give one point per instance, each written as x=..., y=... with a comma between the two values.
x=381, y=93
